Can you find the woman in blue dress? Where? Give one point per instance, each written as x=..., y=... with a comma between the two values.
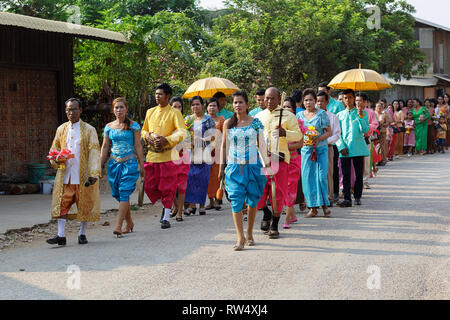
x=314, y=172
x=124, y=138
x=244, y=175
x=204, y=129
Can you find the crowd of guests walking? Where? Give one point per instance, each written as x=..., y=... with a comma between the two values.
x=303, y=150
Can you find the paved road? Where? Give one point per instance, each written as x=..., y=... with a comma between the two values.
x=25, y=211
x=395, y=246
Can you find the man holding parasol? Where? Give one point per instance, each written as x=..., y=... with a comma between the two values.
x=354, y=124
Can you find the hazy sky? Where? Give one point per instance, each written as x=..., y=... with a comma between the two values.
x=437, y=11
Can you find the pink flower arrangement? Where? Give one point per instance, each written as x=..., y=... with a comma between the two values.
x=60, y=157
x=302, y=127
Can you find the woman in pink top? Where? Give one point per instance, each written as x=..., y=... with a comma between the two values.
x=431, y=133
x=409, y=139
x=395, y=129
x=399, y=118
x=446, y=106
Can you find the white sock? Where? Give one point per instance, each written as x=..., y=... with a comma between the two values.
x=166, y=214
x=61, y=227
x=83, y=226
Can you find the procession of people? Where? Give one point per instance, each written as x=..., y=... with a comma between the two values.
x=306, y=149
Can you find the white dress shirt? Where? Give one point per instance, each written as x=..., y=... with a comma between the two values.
x=335, y=128
x=73, y=141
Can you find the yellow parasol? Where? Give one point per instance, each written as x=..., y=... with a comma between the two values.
x=360, y=80
x=207, y=87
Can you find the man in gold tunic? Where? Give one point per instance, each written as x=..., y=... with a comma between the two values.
x=76, y=180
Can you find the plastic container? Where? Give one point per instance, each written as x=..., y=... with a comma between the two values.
x=46, y=186
x=35, y=172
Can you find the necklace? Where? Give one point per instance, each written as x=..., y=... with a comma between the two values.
x=311, y=113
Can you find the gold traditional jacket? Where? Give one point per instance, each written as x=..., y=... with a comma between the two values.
x=289, y=122
x=89, y=198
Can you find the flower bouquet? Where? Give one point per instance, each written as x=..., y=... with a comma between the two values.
x=189, y=123
x=310, y=134
x=60, y=157
x=435, y=118
x=302, y=127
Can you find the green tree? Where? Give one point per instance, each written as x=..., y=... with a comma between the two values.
x=304, y=42
x=150, y=7
x=90, y=10
x=166, y=47
x=46, y=9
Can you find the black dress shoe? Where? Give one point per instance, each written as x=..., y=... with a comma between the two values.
x=82, y=239
x=358, y=202
x=265, y=225
x=165, y=224
x=344, y=204
x=60, y=241
x=274, y=234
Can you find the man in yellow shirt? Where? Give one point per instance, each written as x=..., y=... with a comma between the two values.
x=277, y=142
x=163, y=129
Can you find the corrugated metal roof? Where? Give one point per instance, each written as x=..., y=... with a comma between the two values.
x=442, y=77
x=413, y=82
x=432, y=24
x=17, y=20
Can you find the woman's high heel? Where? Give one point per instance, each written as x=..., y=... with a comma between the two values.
x=128, y=229
x=117, y=233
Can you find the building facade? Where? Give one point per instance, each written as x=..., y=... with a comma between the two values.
x=434, y=41
x=36, y=78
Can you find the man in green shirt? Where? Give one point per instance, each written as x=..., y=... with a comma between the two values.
x=221, y=97
x=352, y=146
x=334, y=106
x=259, y=97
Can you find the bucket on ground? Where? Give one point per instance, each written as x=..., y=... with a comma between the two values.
x=35, y=172
x=46, y=186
